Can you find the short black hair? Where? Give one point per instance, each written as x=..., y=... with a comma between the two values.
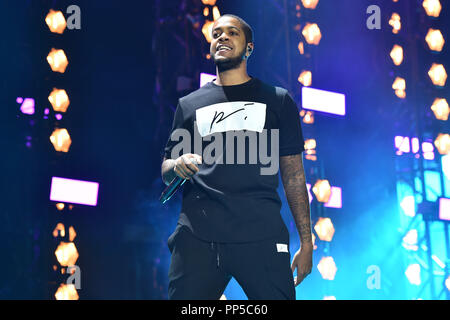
x=248, y=31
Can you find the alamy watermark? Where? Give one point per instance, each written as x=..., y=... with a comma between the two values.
x=374, y=280
x=374, y=20
x=258, y=146
x=75, y=276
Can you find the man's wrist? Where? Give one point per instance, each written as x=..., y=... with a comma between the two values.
x=306, y=245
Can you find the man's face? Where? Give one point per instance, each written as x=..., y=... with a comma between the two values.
x=228, y=45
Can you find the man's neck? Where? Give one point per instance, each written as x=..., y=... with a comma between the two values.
x=230, y=78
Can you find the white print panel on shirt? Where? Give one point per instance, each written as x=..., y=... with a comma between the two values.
x=227, y=116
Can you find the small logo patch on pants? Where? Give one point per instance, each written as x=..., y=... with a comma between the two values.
x=281, y=247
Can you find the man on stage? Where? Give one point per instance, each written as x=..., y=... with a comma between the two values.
x=230, y=223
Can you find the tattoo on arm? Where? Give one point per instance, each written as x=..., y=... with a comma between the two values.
x=294, y=182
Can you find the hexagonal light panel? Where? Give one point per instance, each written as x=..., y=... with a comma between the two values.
x=327, y=268
x=322, y=190
x=60, y=139
x=66, y=254
x=432, y=7
x=59, y=100
x=435, y=40
x=324, y=229
x=440, y=109
x=56, y=21
x=437, y=74
x=312, y=33
x=66, y=292
x=57, y=60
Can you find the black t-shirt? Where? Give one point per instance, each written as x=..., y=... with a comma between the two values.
x=230, y=199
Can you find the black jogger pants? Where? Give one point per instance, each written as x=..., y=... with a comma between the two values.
x=201, y=270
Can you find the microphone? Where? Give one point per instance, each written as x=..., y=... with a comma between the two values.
x=170, y=190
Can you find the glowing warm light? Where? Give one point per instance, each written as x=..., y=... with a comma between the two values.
x=327, y=268
x=59, y=100
x=66, y=254
x=440, y=109
x=207, y=30
x=442, y=143
x=437, y=74
x=305, y=78
x=216, y=13
x=410, y=240
x=310, y=146
x=310, y=4
x=322, y=190
x=400, y=94
x=301, y=47
x=66, y=292
x=308, y=116
x=397, y=55
x=60, y=206
x=57, y=60
x=312, y=34
x=432, y=7
x=399, y=86
x=395, y=23
x=435, y=40
x=61, y=140
x=324, y=229
x=59, y=229
x=56, y=21
x=72, y=233
x=413, y=274
x=206, y=11
x=209, y=2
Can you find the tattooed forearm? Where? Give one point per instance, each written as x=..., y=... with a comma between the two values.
x=293, y=177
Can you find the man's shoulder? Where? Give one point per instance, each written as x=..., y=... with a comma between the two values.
x=278, y=90
x=198, y=93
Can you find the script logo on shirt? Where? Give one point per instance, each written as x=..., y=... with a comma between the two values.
x=228, y=116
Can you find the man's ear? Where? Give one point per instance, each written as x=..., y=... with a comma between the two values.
x=249, y=50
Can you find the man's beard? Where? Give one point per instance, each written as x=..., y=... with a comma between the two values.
x=229, y=63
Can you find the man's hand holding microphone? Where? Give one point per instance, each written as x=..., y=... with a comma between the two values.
x=184, y=168
x=186, y=165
